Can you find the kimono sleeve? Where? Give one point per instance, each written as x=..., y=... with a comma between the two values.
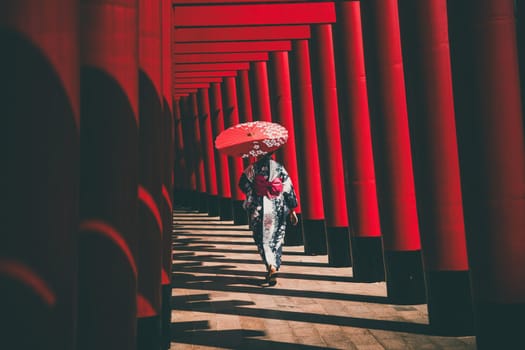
x=290, y=198
x=245, y=184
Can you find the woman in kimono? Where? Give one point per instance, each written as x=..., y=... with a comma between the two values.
x=270, y=199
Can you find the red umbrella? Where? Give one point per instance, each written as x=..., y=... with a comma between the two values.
x=251, y=139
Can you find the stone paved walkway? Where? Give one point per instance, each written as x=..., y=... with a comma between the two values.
x=218, y=301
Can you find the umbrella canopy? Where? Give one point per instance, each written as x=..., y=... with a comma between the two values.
x=251, y=139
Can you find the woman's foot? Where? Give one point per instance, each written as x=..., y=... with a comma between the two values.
x=272, y=276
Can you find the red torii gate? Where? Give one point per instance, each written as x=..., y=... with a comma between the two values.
x=220, y=36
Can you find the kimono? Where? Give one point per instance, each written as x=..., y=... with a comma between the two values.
x=269, y=198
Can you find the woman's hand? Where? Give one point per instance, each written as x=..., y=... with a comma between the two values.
x=293, y=218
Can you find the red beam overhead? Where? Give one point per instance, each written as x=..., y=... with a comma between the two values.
x=191, y=85
x=198, y=80
x=254, y=14
x=199, y=67
x=239, y=46
x=246, y=34
x=224, y=73
x=221, y=57
x=184, y=91
x=193, y=2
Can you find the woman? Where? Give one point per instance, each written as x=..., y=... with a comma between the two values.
x=270, y=198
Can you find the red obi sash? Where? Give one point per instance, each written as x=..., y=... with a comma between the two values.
x=271, y=189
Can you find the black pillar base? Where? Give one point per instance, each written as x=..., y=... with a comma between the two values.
x=166, y=317
x=314, y=237
x=148, y=333
x=177, y=197
x=367, y=259
x=450, y=303
x=182, y=198
x=192, y=198
x=338, y=243
x=499, y=326
x=405, y=280
x=225, y=209
x=294, y=234
x=240, y=217
x=213, y=205
x=203, y=202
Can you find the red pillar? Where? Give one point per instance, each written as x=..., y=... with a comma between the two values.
x=198, y=153
x=107, y=306
x=245, y=99
x=223, y=172
x=436, y=163
x=150, y=223
x=40, y=143
x=492, y=161
x=396, y=192
x=367, y=243
x=167, y=151
x=284, y=115
x=208, y=152
x=332, y=173
x=177, y=169
x=313, y=218
x=260, y=91
x=191, y=194
x=231, y=117
x=180, y=173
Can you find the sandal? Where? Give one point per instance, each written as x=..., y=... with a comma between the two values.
x=272, y=276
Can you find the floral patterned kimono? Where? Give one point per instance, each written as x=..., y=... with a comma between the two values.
x=269, y=197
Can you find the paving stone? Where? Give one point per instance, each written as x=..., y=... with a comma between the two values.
x=370, y=347
x=309, y=338
x=364, y=339
x=218, y=302
x=394, y=344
